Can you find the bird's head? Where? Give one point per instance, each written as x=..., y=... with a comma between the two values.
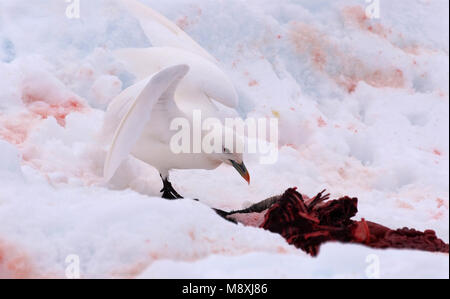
x=232, y=154
x=236, y=160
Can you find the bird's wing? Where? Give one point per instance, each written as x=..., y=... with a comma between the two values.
x=161, y=86
x=162, y=32
x=120, y=105
x=204, y=81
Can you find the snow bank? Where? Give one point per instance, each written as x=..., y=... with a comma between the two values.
x=363, y=109
x=333, y=262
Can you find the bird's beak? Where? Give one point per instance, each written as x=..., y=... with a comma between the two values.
x=242, y=170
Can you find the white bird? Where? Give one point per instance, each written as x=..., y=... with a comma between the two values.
x=204, y=85
x=162, y=32
x=176, y=77
x=144, y=131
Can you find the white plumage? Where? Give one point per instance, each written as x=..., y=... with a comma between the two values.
x=176, y=78
x=204, y=83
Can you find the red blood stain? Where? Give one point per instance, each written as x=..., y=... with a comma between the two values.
x=192, y=235
x=48, y=97
x=132, y=271
x=341, y=67
x=319, y=58
x=56, y=104
x=41, y=105
x=58, y=111
x=308, y=40
x=437, y=152
x=321, y=122
x=253, y=83
x=183, y=22
x=282, y=250
x=355, y=15
x=440, y=203
x=353, y=128
x=342, y=173
x=404, y=205
x=15, y=129
x=351, y=86
x=86, y=72
x=412, y=49
x=387, y=78
x=113, y=72
x=437, y=215
x=14, y=263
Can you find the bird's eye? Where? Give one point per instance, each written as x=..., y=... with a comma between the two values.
x=226, y=151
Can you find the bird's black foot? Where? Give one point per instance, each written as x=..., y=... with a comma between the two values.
x=168, y=190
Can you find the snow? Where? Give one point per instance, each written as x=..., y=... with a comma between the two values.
x=334, y=262
x=363, y=107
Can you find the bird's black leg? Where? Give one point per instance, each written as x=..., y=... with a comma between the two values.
x=168, y=190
